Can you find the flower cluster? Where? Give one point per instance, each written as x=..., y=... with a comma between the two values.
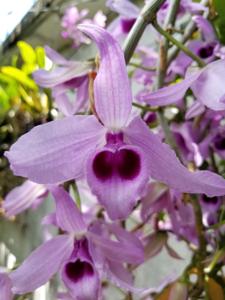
x=145, y=159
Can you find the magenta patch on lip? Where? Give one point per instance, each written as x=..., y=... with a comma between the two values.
x=78, y=269
x=124, y=163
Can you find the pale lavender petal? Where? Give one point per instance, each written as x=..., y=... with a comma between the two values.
x=56, y=57
x=74, y=102
x=209, y=88
x=170, y=94
x=196, y=109
x=23, y=197
x=68, y=216
x=205, y=27
x=118, y=193
x=56, y=151
x=120, y=276
x=117, y=251
x=154, y=244
x=79, y=274
x=61, y=74
x=5, y=287
x=42, y=264
x=112, y=90
x=124, y=7
x=164, y=166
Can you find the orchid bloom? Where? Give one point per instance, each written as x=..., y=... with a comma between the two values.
x=67, y=76
x=207, y=85
x=78, y=253
x=29, y=194
x=115, y=151
x=128, y=13
x=72, y=18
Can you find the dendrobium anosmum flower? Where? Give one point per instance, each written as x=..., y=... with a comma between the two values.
x=71, y=20
x=207, y=85
x=68, y=81
x=83, y=255
x=29, y=194
x=115, y=151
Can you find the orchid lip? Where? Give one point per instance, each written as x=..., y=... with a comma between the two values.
x=75, y=271
x=124, y=163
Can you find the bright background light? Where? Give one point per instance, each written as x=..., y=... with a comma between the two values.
x=11, y=13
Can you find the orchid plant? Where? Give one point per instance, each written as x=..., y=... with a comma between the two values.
x=127, y=167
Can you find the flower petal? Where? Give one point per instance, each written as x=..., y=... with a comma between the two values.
x=170, y=94
x=68, y=216
x=5, y=287
x=165, y=166
x=42, y=264
x=116, y=193
x=209, y=88
x=205, y=27
x=23, y=197
x=112, y=90
x=61, y=74
x=123, y=7
x=117, y=251
x=56, y=57
x=56, y=151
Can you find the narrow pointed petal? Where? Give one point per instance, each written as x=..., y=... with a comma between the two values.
x=111, y=87
x=68, y=216
x=5, y=287
x=170, y=94
x=209, y=89
x=61, y=74
x=23, y=197
x=205, y=27
x=125, y=8
x=56, y=151
x=42, y=264
x=165, y=167
x=117, y=251
x=196, y=109
x=56, y=57
x=118, y=194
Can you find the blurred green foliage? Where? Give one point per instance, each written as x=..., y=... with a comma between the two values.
x=22, y=104
x=218, y=14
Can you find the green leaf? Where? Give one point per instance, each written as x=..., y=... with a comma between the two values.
x=219, y=21
x=27, y=52
x=40, y=53
x=19, y=76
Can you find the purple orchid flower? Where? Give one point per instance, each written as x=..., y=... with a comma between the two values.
x=72, y=18
x=69, y=78
x=29, y=194
x=205, y=49
x=128, y=13
x=116, y=152
x=81, y=255
x=206, y=84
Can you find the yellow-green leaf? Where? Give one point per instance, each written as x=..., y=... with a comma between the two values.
x=27, y=52
x=40, y=53
x=19, y=76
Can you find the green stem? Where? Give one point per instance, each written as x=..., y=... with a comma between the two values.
x=141, y=67
x=147, y=16
x=144, y=108
x=163, y=32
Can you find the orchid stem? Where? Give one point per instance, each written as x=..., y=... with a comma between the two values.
x=147, y=16
x=144, y=108
x=169, y=37
x=141, y=67
x=161, y=72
